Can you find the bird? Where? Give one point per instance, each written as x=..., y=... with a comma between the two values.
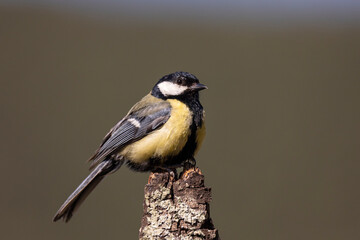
x=164, y=130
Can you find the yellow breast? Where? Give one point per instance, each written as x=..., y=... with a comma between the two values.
x=165, y=142
x=200, y=135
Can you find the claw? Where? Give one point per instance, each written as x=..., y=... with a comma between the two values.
x=151, y=176
x=186, y=172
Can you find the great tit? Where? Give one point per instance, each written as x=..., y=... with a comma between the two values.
x=162, y=131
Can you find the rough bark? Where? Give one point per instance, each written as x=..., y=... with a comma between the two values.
x=177, y=209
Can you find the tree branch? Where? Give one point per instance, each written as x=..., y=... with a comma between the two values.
x=177, y=209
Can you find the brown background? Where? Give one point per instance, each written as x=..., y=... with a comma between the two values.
x=282, y=153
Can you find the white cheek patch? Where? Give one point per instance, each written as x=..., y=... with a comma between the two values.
x=134, y=122
x=171, y=89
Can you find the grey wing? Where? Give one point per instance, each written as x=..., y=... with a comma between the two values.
x=133, y=127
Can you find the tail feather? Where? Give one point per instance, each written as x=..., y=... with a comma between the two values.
x=84, y=189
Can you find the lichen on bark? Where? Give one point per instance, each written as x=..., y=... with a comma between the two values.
x=177, y=209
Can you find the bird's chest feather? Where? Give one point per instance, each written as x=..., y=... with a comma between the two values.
x=168, y=141
x=200, y=133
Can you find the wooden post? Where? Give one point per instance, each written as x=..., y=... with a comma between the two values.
x=177, y=209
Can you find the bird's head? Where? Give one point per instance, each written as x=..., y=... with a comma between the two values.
x=177, y=85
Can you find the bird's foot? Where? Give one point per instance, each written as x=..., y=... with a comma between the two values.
x=172, y=173
x=186, y=173
x=188, y=166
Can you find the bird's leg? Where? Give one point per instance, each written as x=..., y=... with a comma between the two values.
x=189, y=164
x=172, y=172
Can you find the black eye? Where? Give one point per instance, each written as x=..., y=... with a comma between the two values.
x=179, y=81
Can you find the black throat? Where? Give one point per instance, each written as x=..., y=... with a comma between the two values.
x=191, y=100
x=193, y=103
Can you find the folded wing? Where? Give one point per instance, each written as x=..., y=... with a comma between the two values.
x=139, y=122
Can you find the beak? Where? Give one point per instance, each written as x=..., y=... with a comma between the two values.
x=198, y=87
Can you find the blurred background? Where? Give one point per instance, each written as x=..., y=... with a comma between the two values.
x=283, y=111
